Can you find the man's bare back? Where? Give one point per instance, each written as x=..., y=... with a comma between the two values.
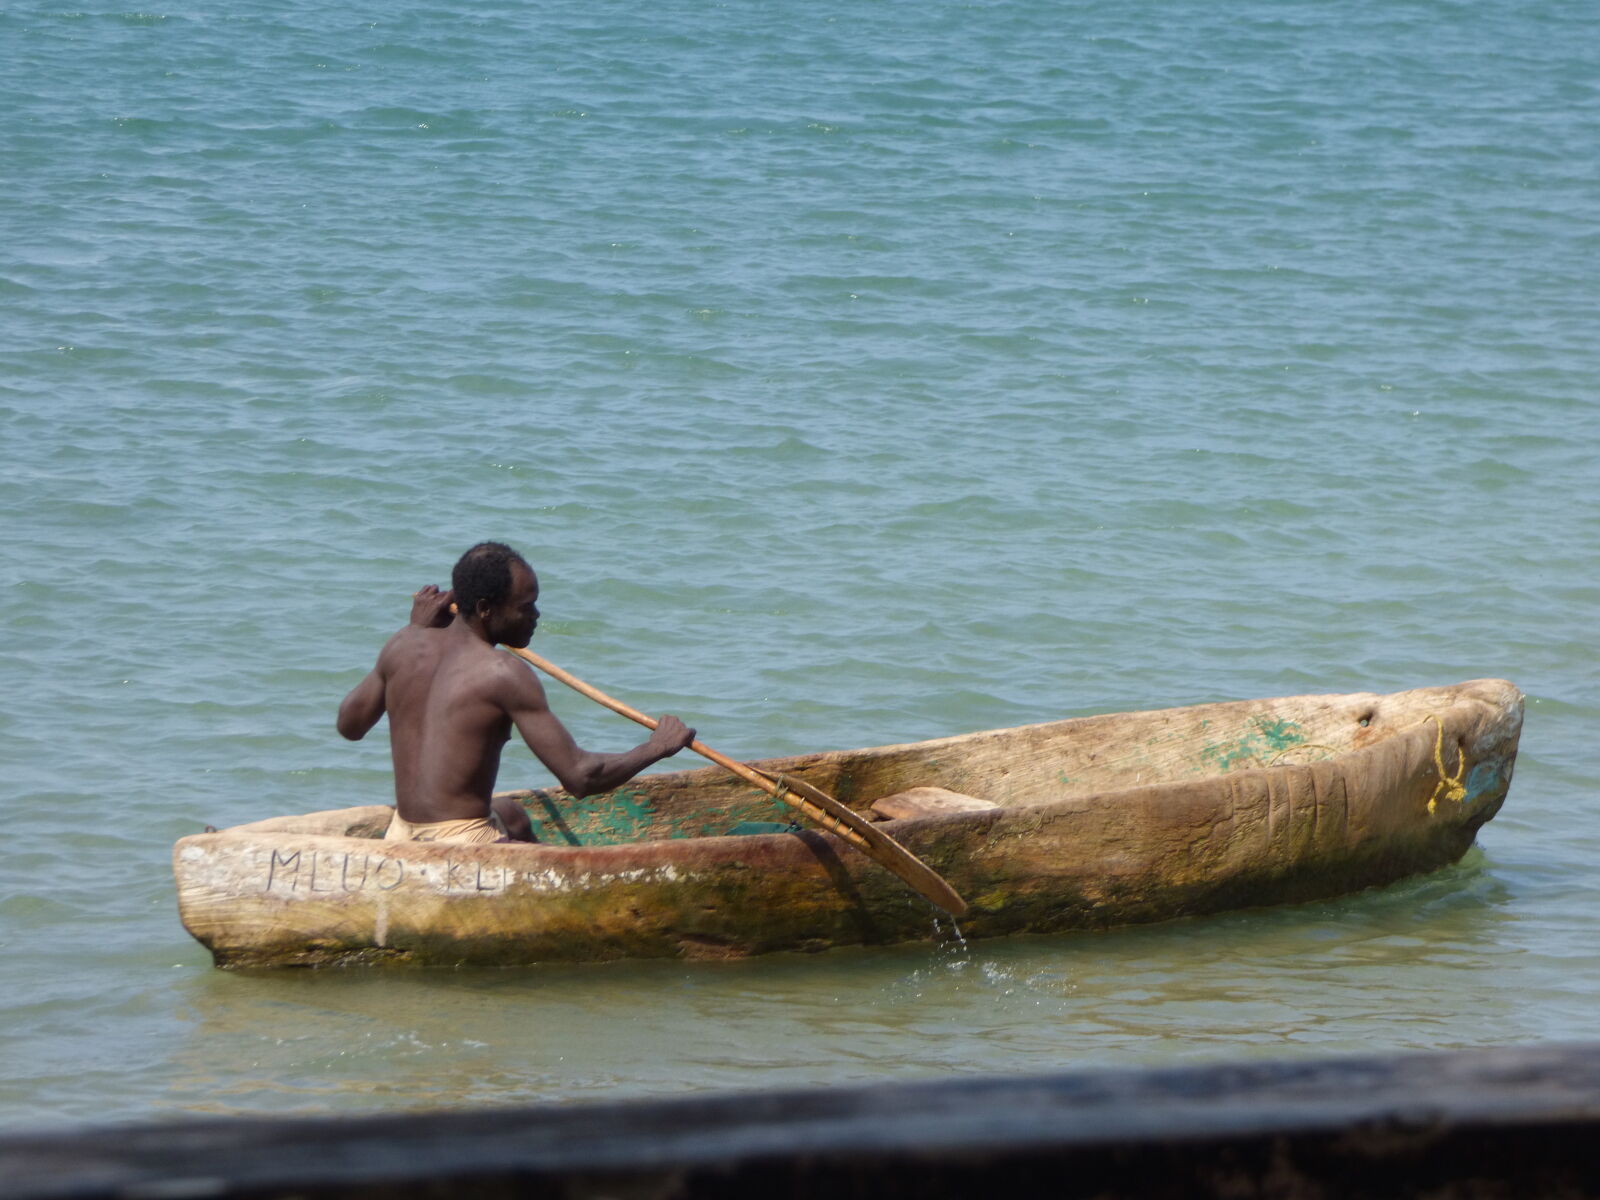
x=453, y=700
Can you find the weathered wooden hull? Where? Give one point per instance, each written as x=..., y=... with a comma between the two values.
x=1103, y=821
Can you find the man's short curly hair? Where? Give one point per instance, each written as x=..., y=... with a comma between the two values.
x=484, y=573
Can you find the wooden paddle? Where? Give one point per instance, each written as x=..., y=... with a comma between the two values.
x=814, y=803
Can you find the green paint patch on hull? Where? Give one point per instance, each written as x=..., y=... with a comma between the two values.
x=629, y=814
x=1264, y=739
x=604, y=820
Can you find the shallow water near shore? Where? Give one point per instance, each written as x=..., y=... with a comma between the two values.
x=851, y=376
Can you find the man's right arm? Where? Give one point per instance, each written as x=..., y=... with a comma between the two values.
x=581, y=772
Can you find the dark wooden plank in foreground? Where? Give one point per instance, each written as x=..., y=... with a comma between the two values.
x=1486, y=1123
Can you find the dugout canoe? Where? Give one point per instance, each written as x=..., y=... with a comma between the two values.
x=1078, y=824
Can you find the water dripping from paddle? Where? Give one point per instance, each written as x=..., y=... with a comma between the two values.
x=952, y=949
x=961, y=938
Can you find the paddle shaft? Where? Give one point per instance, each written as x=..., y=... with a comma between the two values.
x=748, y=774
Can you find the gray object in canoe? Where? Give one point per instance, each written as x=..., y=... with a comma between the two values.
x=1467, y=1125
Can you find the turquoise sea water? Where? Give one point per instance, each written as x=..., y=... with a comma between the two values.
x=852, y=374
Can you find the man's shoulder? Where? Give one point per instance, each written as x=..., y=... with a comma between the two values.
x=510, y=680
x=406, y=640
x=473, y=667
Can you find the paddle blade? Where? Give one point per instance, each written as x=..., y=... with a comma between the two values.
x=882, y=848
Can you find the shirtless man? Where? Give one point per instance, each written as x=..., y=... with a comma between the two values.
x=452, y=701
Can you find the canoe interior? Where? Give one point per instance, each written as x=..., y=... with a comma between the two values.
x=1014, y=768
